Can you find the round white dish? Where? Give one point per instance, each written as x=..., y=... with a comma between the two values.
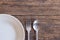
x=11, y=28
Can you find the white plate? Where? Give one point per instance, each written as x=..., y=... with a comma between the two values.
x=11, y=28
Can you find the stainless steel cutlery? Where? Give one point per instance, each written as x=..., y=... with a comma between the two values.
x=35, y=27
x=28, y=27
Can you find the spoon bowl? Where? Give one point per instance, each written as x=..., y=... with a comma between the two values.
x=36, y=25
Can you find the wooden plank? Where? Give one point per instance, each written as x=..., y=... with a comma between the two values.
x=54, y=20
x=48, y=29
x=42, y=17
x=30, y=8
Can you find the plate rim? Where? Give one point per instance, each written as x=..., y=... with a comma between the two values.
x=18, y=22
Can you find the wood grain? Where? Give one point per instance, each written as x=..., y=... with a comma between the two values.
x=49, y=29
x=30, y=7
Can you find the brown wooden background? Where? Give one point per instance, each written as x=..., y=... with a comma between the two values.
x=47, y=11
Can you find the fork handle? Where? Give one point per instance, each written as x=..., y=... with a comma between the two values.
x=36, y=35
x=29, y=35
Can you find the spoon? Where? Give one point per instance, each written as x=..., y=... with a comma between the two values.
x=35, y=27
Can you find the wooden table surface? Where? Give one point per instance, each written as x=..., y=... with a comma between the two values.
x=47, y=11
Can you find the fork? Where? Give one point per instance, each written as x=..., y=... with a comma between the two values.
x=28, y=27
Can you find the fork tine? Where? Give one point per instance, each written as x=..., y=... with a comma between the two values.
x=28, y=27
x=28, y=24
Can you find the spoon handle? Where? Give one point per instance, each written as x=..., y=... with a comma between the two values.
x=29, y=35
x=36, y=35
